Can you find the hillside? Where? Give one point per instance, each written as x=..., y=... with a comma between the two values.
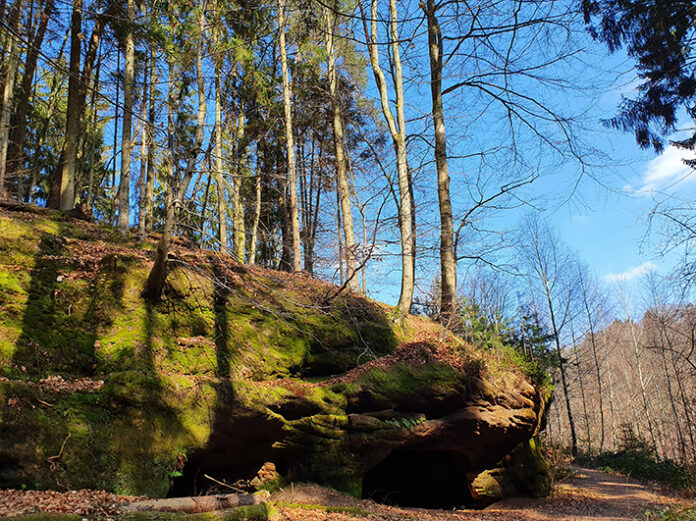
x=235, y=367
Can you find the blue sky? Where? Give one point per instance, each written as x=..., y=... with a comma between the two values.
x=605, y=219
x=605, y=222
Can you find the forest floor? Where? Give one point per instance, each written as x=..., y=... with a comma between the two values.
x=585, y=495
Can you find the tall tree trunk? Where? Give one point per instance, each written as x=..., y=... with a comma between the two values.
x=219, y=179
x=339, y=235
x=55, y=87
x=9, y=71
x=289, y=145
x=142, y=180
x=19, y=118
x=672, y=400
x=237, y=207
x=582, y=390
x=397, y=130
x=257, y=209
x=90, y=160
x=641, y=379
x=114, y=199
x=158, y=272
x=595, y=356
x=684, y=401
x=62, y=190
x=341, y=162
x=128, y=81
x=150, y=186
x=561, y=366
x=610, y=379
x=448, y=264
x=62, y=194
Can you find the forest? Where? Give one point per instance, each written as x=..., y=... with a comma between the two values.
x=344, y=225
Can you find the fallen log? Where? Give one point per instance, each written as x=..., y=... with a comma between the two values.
x=196, y=504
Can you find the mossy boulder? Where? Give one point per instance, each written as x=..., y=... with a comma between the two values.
x=522, y=472
x=235, y=367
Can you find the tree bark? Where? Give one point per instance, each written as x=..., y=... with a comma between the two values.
x=257, y=209
x=353, y=282
x=62, y=190
x=219, y=179
x=150, y=186
x=290, y=145
x=595, y=356
x=397, y=130
x=128, y=81
x=142, y=180
x=448, y=264
x=641, y=379
x=19, y=118
x=582, y=390
x=237, y=207
x=156, y=278
x=9, y=71
x=561, y=366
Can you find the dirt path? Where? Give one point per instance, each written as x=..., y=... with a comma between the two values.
x=589, y=495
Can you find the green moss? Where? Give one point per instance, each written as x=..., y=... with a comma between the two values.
x=172, y=369
x=524, y=472
x=402, y=379
x=44, y=517
x=244, y=513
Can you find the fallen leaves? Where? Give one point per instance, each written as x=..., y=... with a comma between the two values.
x=58, y=384
x=79, y=502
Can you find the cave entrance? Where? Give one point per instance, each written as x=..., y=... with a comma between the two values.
x=426, y=479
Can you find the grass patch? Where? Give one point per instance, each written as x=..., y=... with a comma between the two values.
x=245, y=513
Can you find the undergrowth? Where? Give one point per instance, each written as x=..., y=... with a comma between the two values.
x=671, y=514
x=635, y=458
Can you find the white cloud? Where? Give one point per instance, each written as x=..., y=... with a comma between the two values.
x=665, y=169
x=580, y=220
x=631, y=273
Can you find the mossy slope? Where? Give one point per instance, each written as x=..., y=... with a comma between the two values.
x=221, y=374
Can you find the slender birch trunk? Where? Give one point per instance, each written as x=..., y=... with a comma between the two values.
x=582, y=390
x=641, y=379
x=610, y=379
x=123, y=222
x=448, y=264
x=341, y=163
x=397, y=130
x=597, y=367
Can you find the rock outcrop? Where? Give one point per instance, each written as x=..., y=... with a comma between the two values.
x=239, y=370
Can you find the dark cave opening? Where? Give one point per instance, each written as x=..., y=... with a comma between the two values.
x=426, y=479
x=237, y=448
x=194, y=481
